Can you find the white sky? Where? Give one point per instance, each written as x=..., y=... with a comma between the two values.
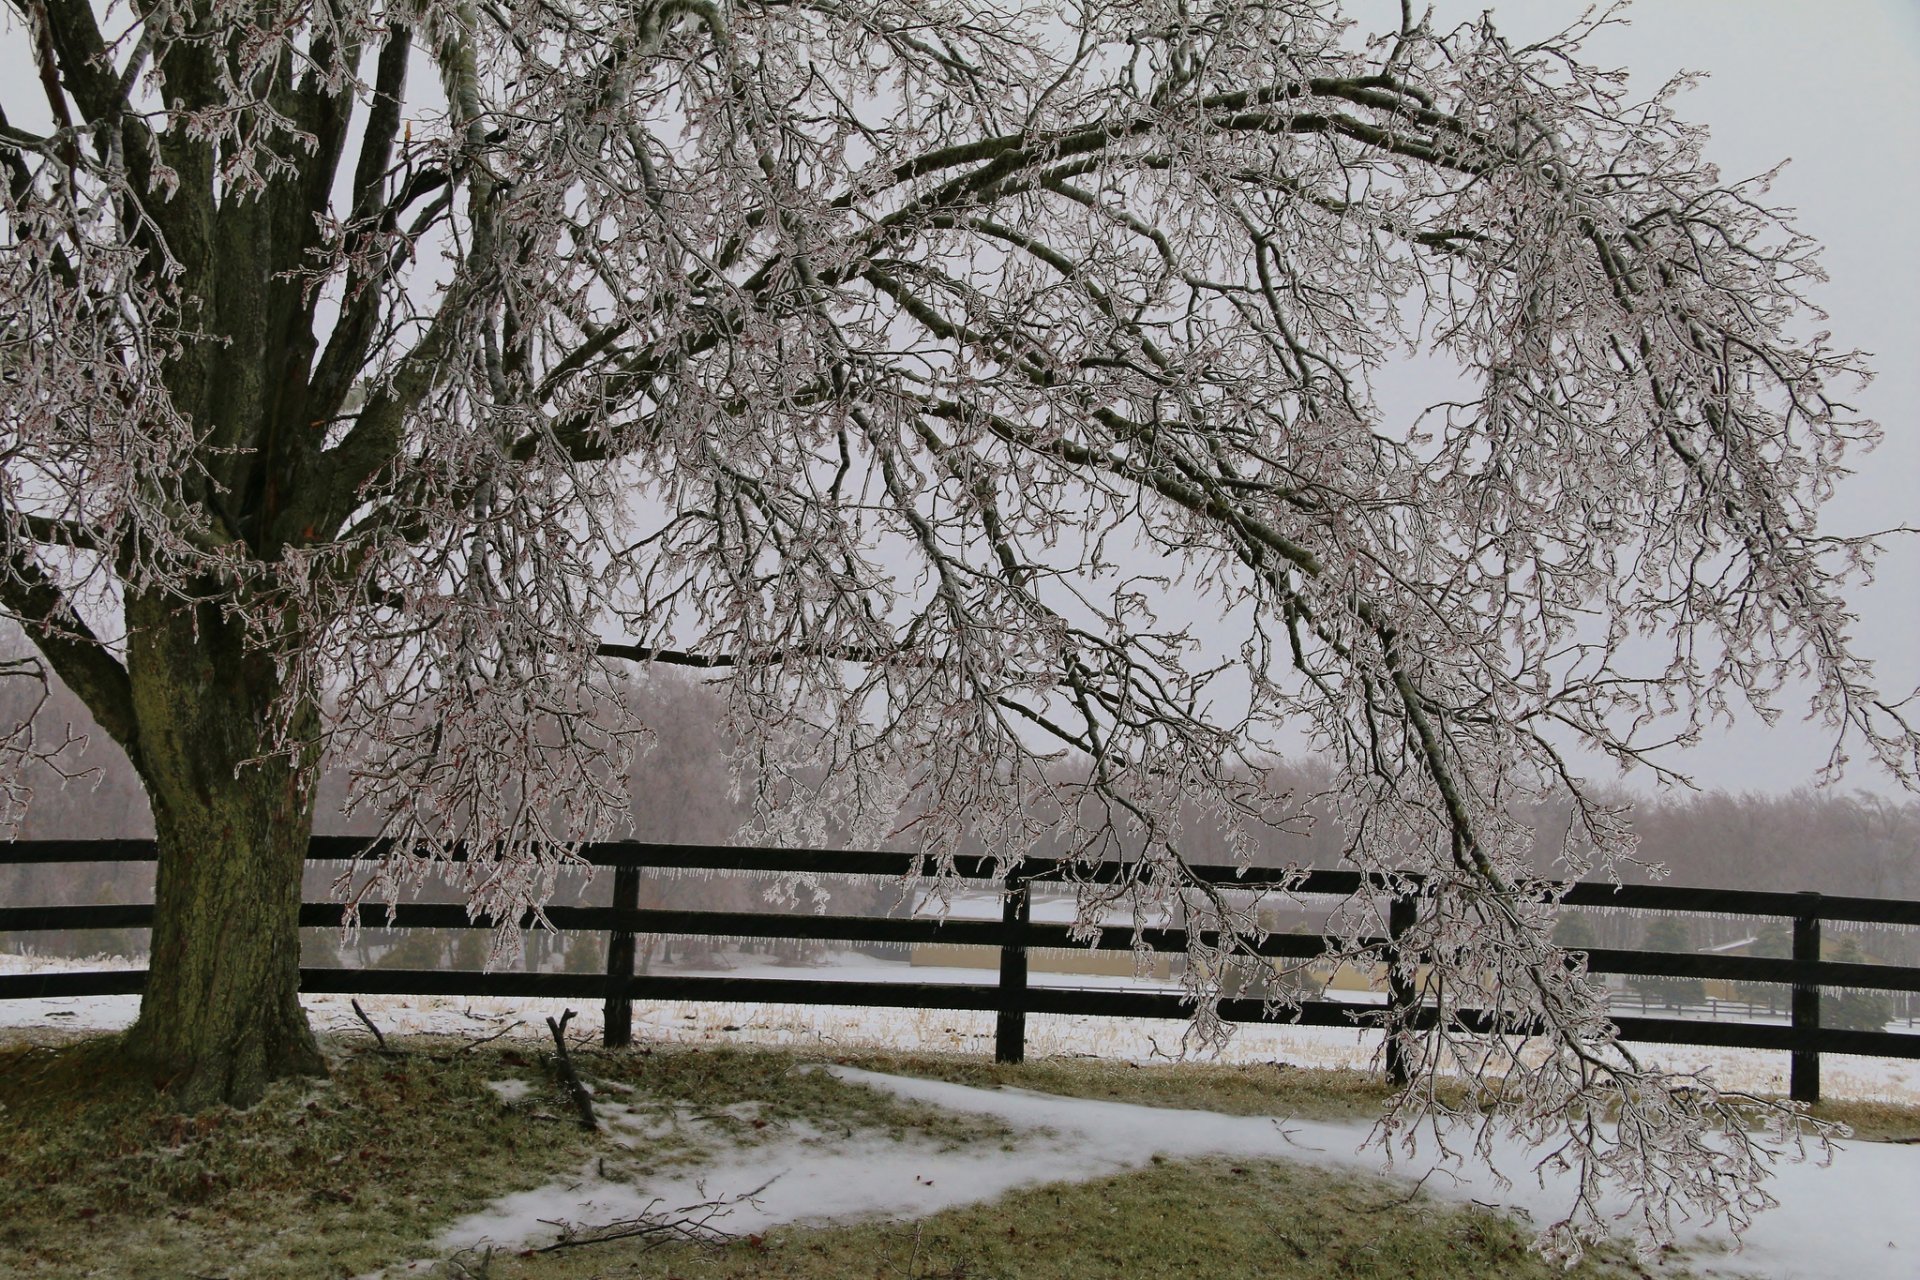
x=1834, y=85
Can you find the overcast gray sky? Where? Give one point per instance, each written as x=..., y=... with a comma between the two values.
x=1835, y=86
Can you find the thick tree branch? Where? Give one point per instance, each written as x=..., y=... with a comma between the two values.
x=84, y=71
x=353, y=333
x=772, y=657
x=76, y=654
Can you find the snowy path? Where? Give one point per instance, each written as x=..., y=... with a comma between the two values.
x=1854, y=1218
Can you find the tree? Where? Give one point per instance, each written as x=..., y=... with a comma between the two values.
x=1668, y=934
x=1855, y=1008
x=1773, y=942
x=375, y=376
x=1573, y=931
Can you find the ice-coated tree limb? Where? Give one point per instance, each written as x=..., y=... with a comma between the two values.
x=70, y=646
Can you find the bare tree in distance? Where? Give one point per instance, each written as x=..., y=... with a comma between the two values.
x=375, y=377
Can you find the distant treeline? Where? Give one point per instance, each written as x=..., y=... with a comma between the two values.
x=683, y=791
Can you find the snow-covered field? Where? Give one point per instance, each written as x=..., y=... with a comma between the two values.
x=1129, y=1039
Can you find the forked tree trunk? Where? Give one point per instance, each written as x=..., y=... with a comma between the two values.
x=221, y=1017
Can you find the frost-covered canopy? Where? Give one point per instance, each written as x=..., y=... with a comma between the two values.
x=932, y=371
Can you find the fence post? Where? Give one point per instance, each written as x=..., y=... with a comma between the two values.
x=1010, y=1035
x=617, y=1023
x=1401, y=912
x=1804, y=1076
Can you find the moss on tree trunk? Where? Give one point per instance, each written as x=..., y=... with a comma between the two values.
x=221, y=1016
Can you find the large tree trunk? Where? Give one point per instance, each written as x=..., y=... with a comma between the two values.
x=221, y=1017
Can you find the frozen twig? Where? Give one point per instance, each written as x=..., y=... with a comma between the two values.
x=509, y=1029
x=651, y=1227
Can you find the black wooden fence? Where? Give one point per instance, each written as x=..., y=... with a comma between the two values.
x=1012, y=997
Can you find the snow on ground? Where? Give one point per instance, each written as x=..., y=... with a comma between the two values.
x=1852, y=1218
x=828, y=1027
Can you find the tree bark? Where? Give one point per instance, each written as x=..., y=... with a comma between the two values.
x=221, y=1016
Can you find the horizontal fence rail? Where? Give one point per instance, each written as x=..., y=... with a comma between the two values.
x=1015, y=934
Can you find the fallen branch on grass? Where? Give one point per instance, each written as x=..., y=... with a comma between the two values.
x=693, y=1224
x=577, y=1092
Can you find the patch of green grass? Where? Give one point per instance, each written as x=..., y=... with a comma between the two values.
x=1208, y=1219
x=1873, y=1121
x=1258, y=1089
x=339, y=1177
x=320, y=1178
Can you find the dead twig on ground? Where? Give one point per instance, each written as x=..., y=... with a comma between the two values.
x=471, y=1264
x=1401, y=1202
x=691, y=1224
x=378, y=1038
x=506, y=1030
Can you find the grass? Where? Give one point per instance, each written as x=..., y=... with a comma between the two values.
x=1873, y=1121
x=337, y=1178
x=1257, y=1089
x=1209, y=1218
x=319, y=1179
